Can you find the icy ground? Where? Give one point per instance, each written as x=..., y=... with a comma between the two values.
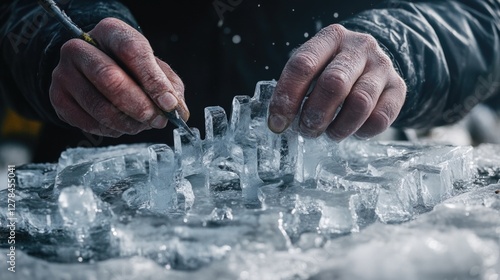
x=245, y=203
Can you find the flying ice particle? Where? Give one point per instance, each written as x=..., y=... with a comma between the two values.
x=236, y=39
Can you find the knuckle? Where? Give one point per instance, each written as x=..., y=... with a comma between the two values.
x=400, y=85
x=154, y=84
x=335, y=80
x=101, y=111
x=70, y=47
x=145, y=113
x=111, y=77
x=382, y=60
x=378, y=122
x=383, y=118
x=303, y=64
x=367, y=41
x=336, y=30
x=179, y=86
x=362, y=102
x=133, y=49
x=107, y=22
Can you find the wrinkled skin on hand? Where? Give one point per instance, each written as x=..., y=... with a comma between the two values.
x=120, y=89
x=351, y=71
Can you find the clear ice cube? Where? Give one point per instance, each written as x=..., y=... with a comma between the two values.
x=215, y=123
x=35, y=175
x=189, y=150
x=79, y=155
x=434, y=182
x=162, y=179
x=329, y=172
x=78, y=206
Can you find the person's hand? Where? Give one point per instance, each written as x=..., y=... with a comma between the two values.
x=351, y=72
x=108, y=96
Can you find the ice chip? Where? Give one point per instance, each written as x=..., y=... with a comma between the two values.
x=270, y=230
x=79, y=155
x=329, y=172
x=487, y=159
x=263, y=91
x=162, y=179
x=35, y=175
x=215, y=123
x=240, y=119
x=221, y=179
x=185, y=194
x=136, y=164
x=310, y=153
x=106, y=173
x=78, y=206
x=394, y=200
x=289, y=152
x=74, y=175
x=220, y=214
x=435, y=183
x=189, y=150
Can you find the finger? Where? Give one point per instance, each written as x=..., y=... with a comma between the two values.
x=96, y=105
x=133, y=50
x=70, y=112
x=331, y=89
x=179, y=89
x=386, y=111
x=358, y=105
x=112, y=82
x=304, y=65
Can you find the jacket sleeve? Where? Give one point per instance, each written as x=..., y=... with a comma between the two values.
x=30, y=40
x=448, y=52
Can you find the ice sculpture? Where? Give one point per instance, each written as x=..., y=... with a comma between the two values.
x=245, y=203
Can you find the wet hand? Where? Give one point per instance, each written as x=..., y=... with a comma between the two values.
x=352, y=72
x=120, y=93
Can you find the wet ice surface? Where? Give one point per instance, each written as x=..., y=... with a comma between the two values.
x=245, y=203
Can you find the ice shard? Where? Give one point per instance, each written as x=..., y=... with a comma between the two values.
x=162, y=177
x=189, y=150
x=217, y=159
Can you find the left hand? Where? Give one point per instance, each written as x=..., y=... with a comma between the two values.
x=352, y=71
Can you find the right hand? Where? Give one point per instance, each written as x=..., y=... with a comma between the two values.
x=91, y=91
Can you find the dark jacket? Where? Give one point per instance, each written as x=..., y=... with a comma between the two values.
x=448, y=52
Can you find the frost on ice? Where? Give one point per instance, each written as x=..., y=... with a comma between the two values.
x=245, y=203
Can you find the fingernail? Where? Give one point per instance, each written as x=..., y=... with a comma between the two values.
x=159, y=122
x=308, y=133
x=167, y=101
x=334, y=137
x=277, y=123
x=361, y=136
